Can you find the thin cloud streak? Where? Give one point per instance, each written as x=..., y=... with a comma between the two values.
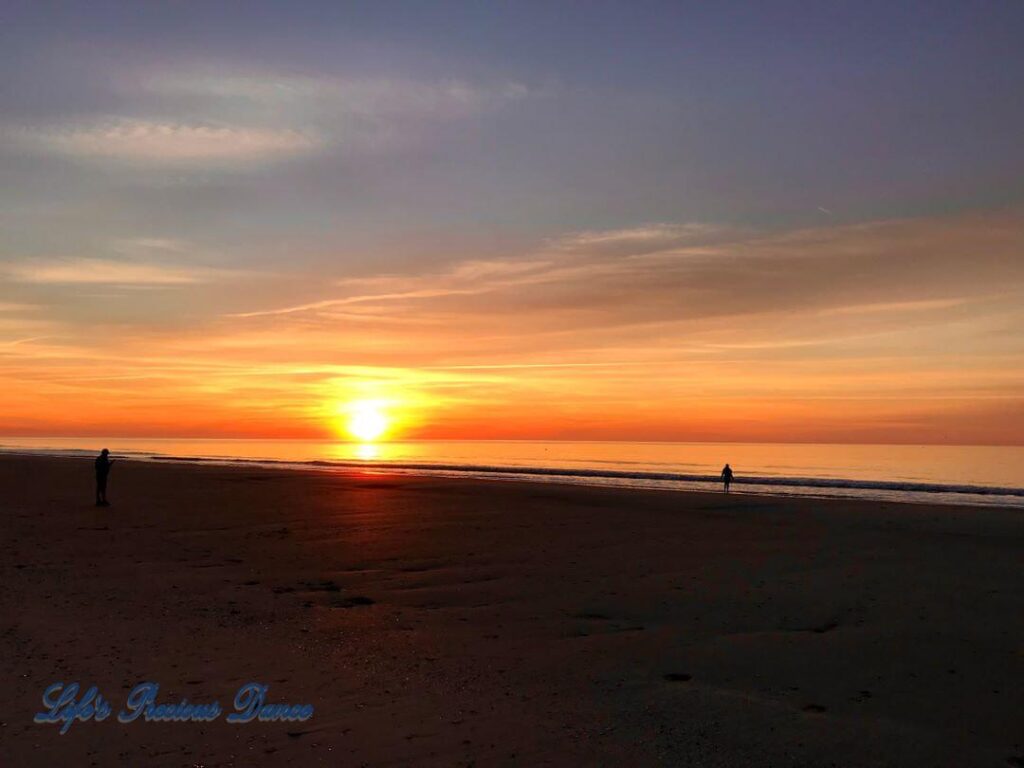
x=105, y=272
x=169, y=144
x=925, y=305
x=329, y=303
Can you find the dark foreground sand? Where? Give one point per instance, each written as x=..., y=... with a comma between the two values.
x=511, y=623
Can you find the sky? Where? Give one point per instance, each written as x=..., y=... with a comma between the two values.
x=782, y=221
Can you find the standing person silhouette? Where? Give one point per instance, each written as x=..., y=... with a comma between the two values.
x=103, y=465
x=726, y=477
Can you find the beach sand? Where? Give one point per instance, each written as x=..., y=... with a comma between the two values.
x=461, y=622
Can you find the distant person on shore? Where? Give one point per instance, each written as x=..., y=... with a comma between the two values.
x=103, y=465
x=727, y=477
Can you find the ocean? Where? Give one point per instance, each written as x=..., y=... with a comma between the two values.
x=968, y=475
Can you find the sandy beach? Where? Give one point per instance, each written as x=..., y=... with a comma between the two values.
x=460, y=622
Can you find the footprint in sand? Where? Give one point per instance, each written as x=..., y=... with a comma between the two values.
x=324, y=585
x=678, y=677
x=352, y=602
x=826, y=627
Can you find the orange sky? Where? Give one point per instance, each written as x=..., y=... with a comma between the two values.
x=671, y=222
x=675, y=221
x=888, y=331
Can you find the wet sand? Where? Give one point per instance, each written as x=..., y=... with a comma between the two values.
x=460, y=622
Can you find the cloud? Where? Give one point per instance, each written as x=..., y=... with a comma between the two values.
x=925, y=305
x=177, y=119
x=170, y=143
x=463, y=279
x=698, y=287
x=153, y=245
x=352, y=116
x=101, y=271
x=640, y=239
x=11, y=306
x=427, y=293
x=375, y=98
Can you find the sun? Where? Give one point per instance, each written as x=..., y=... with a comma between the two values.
x=367, y=420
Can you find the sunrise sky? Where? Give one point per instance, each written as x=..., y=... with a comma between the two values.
x=647, y=221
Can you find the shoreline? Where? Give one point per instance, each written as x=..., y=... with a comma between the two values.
x=901, y=492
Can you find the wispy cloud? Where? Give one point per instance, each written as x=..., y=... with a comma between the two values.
x=182, y=119
x=170, y=143
x=643, y=238
x=156, y=245
x=427, y=293
x=869, y=275
x=925, y=305
x=13, y=306
x=101, y=271
x=464, y=279
x=326, y=96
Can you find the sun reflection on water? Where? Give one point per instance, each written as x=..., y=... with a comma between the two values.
x=367, y=451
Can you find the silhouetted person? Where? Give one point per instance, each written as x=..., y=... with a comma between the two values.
x=103, y=465
x=726, y=477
